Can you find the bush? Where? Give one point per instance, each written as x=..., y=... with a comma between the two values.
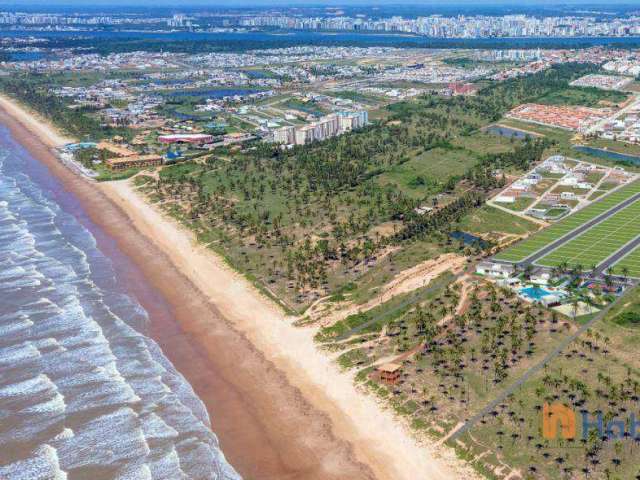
x=628, y=319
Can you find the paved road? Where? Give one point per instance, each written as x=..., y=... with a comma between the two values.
x=534, y=257
x=526, y=376
x=616, y=257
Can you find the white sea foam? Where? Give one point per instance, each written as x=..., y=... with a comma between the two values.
x=79, y=386
x=42, y=465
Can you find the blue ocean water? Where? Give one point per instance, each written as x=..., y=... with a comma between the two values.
x=83, y=394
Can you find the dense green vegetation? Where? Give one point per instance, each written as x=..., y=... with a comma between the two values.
x=309, y=219
x=586, y=97
x=33, y=91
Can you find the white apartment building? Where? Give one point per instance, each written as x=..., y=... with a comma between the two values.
x=326, y=127
x=285, y=135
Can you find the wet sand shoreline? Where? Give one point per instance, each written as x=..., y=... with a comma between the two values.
x=266, y=428
x=281, y=407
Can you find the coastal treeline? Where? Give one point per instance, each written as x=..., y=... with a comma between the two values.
x=320, y=213
x=33, y=90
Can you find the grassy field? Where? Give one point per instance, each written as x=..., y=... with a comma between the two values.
x=600, y=241
x=520, y=204
x=597, y=373
x=465, y=362
x=489, y=220
x=523, y=249
x=426, y=172
x=586, y=97
x=629, y=264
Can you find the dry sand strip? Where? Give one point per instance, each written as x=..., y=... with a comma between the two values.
x=378, y=440
x=34, y=123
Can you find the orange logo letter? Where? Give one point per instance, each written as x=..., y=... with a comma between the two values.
x=555, y=414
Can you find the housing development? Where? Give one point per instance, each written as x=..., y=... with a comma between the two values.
x=394, y=242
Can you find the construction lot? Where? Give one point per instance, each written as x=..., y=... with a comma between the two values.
x=599, y=242
x=587, y=237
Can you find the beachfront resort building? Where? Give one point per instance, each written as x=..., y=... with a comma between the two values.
x=496, y=270
x=134, y=161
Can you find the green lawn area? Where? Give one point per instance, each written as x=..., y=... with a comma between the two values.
x=626, y=313
x=306, y=107
x=631, y=263
x=596, y=194
x=482, y=143
x=356, y=96
x=594, y=177
x=427, y=170
x=525, y=248
x=520, y=204
x=600, y=241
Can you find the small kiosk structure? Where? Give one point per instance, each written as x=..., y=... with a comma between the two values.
x=390, y=373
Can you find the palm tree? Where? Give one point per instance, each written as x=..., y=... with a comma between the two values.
x=575, y=303
x=625, y=272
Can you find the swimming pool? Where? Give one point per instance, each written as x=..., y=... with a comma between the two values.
x=535, y=293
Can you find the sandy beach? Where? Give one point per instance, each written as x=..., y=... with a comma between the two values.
x=281, y=408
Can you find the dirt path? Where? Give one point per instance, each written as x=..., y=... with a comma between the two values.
x=408, y=280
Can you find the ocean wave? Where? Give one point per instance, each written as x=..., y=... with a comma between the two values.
x=82, y=392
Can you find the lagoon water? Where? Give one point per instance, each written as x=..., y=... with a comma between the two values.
x=83, y=393
x=243, y=40
x=608, y=154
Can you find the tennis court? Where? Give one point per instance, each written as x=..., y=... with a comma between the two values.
x=537, y=241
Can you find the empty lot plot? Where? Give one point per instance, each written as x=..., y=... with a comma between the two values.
x=629, y=265
x=600, y=241
x=526, y=248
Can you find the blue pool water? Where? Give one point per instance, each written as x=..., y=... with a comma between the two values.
x=535, y=293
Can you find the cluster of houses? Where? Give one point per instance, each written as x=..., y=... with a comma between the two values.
x=567, y=191
x=625, y=128
x=627, y=66
x=603, y=82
